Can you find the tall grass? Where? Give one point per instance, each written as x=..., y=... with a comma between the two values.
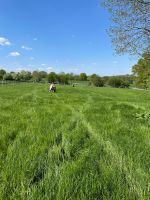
x=80, y=143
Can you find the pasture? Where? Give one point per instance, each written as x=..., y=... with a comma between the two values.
x=82, y=143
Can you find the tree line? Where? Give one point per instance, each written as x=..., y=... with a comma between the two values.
x=140, y=77
x=66, y=78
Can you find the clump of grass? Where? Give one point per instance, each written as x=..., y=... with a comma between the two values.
x=145, y=116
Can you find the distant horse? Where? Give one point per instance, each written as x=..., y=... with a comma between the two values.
x=52, y=88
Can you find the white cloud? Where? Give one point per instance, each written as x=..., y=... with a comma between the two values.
x=2, y=67
x=30, y=65
x=4, y=41
x=18, y=69
x=40, y=69
x=14, y=54
x=49, y=69
x=26, y=48
x=43, y=64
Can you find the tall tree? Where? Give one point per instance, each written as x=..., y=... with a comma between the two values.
x=96, y=80
x=63, y=78
x=52, y=77
x=142, y=71
x=8, y=77
x=83, y=77
x=36, y=76
x=25, y=75
x=130, y=30
x=2, y=72
x=43, y=74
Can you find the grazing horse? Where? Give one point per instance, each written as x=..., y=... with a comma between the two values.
x=52, y=88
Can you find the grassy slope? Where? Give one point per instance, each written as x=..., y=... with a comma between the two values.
x=78, y=144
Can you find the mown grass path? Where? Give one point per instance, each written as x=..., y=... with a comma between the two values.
x=80, y=143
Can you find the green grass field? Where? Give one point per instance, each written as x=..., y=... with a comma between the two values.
x=81, y=143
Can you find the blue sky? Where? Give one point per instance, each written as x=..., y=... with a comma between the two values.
x=58, y=35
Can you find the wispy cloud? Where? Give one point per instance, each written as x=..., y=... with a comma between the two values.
x=4, y=41
x=30, y=65
x=49, y=69
x=2, y=67
x=14, y=54
x=43, y=65
x=19, y=69
x=26, y=48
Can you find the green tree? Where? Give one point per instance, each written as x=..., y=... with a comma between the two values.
x=130, y=29
x=76, y=77
x=142, y=71
x=83, y=77
x=16, y=76
x=8, y=77
x=96, y=80
x=25, y=75
x=36, y=76
x=118, y=82
x=13, y=74
x=2, y=72
x=52, y=77
x=63, y=78
x=1, y=77
x=70, y=76
x=43, y=74
x=93, y=76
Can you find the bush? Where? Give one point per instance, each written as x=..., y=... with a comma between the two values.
x=1, y=77
x=83, y=77
x=36, y=76
x=8, y=77
x=97, y=81
x=63, y=79
x=2, y=72
x=118, y=82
